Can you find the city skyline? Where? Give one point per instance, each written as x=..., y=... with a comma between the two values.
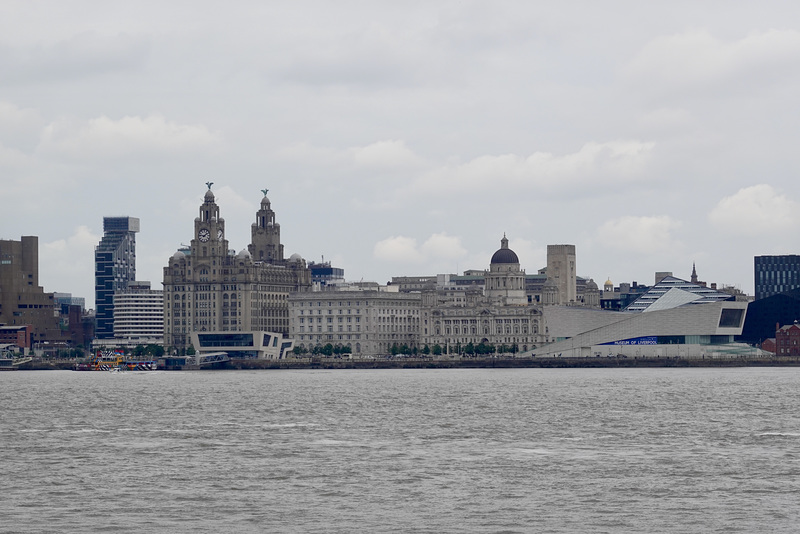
x=405, y=140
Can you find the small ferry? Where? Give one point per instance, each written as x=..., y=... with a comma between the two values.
x=113, y=360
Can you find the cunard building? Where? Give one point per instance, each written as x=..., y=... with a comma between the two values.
x=210, y=288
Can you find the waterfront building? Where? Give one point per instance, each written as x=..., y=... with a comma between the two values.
x=660, y=275
x=210, y=287
x=75, y=321
x=673, y=318
x=776, y=274
x=501, y=316
x=61, y=299
x=539, y=288
x=325, y=274
x=505, y=281
x=670, y=292
x=22, y=300
x=684, y=331
x=561, y=274
x=370, y=320
x=243, y=345
x=138, y=316
x=764, y=314
x=787, y=340
x=407, y=284
x=114, y=269
x=19, y=336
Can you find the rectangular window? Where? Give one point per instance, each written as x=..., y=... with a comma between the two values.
x=731, y=318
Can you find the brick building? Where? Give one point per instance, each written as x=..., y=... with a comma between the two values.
x=787, y=340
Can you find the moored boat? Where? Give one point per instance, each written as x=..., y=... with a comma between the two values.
x=110, y=360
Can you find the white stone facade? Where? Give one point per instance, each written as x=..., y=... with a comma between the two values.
x=369, y=321
x=139, y=315
x=208, y=287
x=670, y=332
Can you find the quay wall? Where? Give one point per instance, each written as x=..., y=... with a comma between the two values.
x=468, y=363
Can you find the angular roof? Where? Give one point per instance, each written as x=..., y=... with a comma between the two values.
x=673, y=292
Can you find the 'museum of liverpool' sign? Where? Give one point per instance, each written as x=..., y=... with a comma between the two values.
x=647, y=340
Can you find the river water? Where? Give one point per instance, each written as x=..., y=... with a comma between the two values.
x=455, y=450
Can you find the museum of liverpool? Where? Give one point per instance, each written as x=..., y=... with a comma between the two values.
x=675, y=319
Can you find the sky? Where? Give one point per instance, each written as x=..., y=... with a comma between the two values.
x=406, y=138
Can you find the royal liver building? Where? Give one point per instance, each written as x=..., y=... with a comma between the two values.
x=210, y=288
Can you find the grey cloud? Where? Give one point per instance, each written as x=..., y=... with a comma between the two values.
x=83, y=55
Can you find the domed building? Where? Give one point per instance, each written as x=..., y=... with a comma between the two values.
x=500, y=316
x=208, y=287
x=505, y=281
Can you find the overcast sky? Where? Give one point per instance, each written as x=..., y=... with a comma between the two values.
x=405, y=138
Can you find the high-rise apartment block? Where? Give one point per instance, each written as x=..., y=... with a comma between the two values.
x=139, y=315
x=776, y=274
x=114, y=268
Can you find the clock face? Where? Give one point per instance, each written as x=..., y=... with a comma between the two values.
x=219, y=235
x=204, y=235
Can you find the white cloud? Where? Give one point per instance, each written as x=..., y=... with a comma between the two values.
x=640, y=235
x=594, y=165
x=698, y=59
x=756, y=210
x=11, y=158
x=666, y=119
x=399, y=249
x=19, y=127
x=443, y=246
x=103, y=137
x=83, y=54
x=306, y=152
x=384, y=154
x=615, y=162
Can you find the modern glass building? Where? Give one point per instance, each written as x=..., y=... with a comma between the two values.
x=671, y=292
x=776, y=274
x=250, y=345
x=114, y=268
x=324, y=274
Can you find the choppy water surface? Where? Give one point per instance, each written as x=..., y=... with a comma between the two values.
x=522, y=450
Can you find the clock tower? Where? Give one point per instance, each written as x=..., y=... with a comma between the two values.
x=209, y=288
x=209, y=229
x=265, y=244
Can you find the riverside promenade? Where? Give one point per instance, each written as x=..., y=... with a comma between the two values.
x=463, y=363
x=508, y=362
